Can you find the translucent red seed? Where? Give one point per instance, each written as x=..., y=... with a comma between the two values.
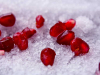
x=78, y=46
x=20, y=40
x=47, y=56
x=7, y=44
x=70, y=24
x=66, y=37
x=57, y=29
x=29, y=32
x=39, y=21
x=2, y=52
x=7, y=20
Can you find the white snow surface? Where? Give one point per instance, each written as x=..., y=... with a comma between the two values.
x=87, y=16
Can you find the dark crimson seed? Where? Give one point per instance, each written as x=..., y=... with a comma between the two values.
x=7, y=44
x=7, y=20
x=57, y=29
x=66, y=37
x=48, y=56
x=78, y=46
x=29, y=32
x=39, y=21
x=70, y=24
x=20, y=40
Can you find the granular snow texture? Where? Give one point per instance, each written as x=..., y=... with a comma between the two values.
x=87, y=16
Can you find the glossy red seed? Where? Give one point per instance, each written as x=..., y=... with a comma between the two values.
x=29, y=32
x=39, y=21
x=48, y=56
x=20, y=40
x=7, y=20
x=70, y=24
x=78, y=46
x=66, y=37
x=57, y=29
x=16, y=37
x=7, y=43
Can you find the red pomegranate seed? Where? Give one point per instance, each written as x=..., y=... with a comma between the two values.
x=70, y=24
x=57, y=29
x=78, y=46
x=2, y=52
x=7, y=20
x=48, y=56
x=39, y=21
x=7, y=44
x=66, y=37
x=20, y=40
x=29, y=32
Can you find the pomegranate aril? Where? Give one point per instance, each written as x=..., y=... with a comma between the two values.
x=70, y=24
x=7, y=20
x=20, y=40
x=29, y=32
x=7, y=43
x=57, y=29
x=78, y=46
x=66, y=37
x=39, y=21
x=22, y=44
x=2, y=52
x=48, y=56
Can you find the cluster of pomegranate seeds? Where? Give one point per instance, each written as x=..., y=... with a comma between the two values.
x=7, y=20
x=66, y=37
x=39, y=21
x=21, y=38
x=78, y=46
x=6, y=44
x=48, y=56
x=57, y=29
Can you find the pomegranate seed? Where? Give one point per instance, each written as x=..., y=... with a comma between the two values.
x=39, y=21
x=2, y=52
x=70, y=24
x=78, y=46
x=48, y=56
x=20, y=40
x=66, y=37
x=29, y=32
x=8, y=20
x=57, y=29
x=7, y=44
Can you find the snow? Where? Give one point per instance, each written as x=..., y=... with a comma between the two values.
x=87, y=16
